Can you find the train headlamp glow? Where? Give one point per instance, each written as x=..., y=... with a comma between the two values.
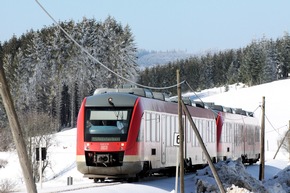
x=110, y=100
x=87, y=147
x=122, y=146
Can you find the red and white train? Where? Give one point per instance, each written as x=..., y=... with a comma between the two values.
x=126, y=133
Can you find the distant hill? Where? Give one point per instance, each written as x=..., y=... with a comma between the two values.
x=152, y=58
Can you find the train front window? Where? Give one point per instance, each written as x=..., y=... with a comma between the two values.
x=107, y=124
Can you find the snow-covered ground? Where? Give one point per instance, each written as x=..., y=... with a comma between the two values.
x=62, y=155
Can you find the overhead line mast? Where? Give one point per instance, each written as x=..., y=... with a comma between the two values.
x=16, y=132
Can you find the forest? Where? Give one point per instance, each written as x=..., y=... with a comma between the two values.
x=49, y=75
x=262, y=61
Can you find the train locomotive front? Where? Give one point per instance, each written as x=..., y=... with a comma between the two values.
x=106, y=137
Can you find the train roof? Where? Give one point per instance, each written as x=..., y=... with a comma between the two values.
x=135, y=91
x=147, y=93
x=220, y=108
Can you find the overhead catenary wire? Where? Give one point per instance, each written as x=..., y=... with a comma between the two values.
x=284, y=126
x=241, y=117
x=193, y=92
x=227, y=118
x=96, y=60
x=274, y=127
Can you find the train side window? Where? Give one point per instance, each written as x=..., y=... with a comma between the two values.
x=235, y=135
x=202, y=128
x=192, y=134
x=196, y=121
x=158, y=123
x=241, y=133
x=147, y=128
x=209, y=130
x=228, y=133
x=214, y=132
x=227, y=136
x=225, y=132
x=163, y=127
x=153, y=127
x=175, y=124
x=239, y=137
x=245, y=129
x=189, y=131
x=257, y=134
x=198, y=125
x=169, y=125
x=231, y=133
x=251, y=134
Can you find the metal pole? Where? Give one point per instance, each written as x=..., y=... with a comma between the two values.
x=181, y=134
x=214, y=172
x=281, y=143
x=262, y=159
x=286, y=135
x=40, y=165
x=16, y=132
x=176, y=172
x=288, y=138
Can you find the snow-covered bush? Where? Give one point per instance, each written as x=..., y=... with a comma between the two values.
x=3, y=163
x=236, y=179
x=6, y=186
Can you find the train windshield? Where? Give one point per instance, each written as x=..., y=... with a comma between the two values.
x=107, y=124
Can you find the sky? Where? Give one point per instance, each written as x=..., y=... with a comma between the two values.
x=160, y=25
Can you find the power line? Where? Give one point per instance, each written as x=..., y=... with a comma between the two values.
x=242, y=118
x=273, y=126
x=96, y=60
x=212, y=109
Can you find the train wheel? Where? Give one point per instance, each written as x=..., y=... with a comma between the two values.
x=133, y=179
x=99, y=180
x=170, y=172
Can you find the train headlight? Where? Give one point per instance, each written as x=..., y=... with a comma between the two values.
x=110, y=100
x=87, y=147
x=122, y=146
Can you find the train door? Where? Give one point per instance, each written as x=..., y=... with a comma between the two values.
x=163, y=138
x=141, y=135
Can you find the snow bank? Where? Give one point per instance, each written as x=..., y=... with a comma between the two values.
x=280, y=181
x=236, y=179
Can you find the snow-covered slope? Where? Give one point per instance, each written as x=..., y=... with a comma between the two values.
x=277, y=106
x=150, y=59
